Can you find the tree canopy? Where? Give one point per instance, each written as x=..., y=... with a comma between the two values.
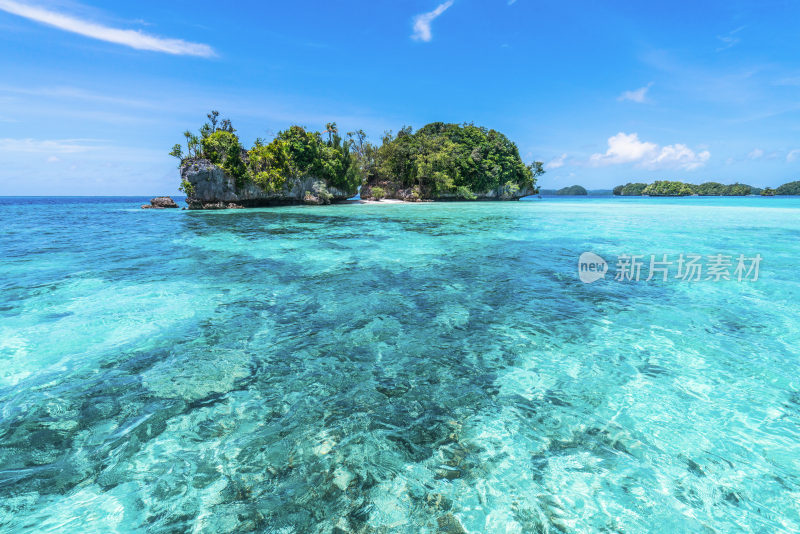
x=438, y=159
x=441, y=159
x=294, y=152
x=666, y=188
x=677, y=188
x=630, y=189
x=791, y=188
x=718, y=189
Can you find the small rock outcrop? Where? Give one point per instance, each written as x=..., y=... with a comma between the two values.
x=209, y=187
x=160, y=203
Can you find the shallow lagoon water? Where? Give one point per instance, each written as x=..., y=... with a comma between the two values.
x=396, y=368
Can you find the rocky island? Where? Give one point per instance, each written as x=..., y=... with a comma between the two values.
x=160, y=203
x=570, y=191
x=447, y=162
x=671, y=188
x=438, y=162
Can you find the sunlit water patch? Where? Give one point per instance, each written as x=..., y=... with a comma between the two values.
x=398, y=368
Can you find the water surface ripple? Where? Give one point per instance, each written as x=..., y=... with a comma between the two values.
x=403, y=368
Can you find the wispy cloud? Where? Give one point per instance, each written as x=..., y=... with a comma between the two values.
x=132, y=38
x=793, y=81
x=793, y=156
x=729, y=39
x=638, y=95
x=555, y=163
x=627, y=148
x=73, y=93
x=756, y=153
x=50, y=146
x=422, y=23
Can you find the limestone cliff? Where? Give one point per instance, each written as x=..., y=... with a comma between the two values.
x=209, y=187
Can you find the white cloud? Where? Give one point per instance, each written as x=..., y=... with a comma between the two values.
x=756, y=153
x=794, y=155
x=638, y=95
x=49, y=146
x=557, y=162
x=132, y=38
x=729, y=40
x=422, y=23
x=627, y=148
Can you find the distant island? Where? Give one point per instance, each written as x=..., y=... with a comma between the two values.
x=670, y=188
x=573, y=190
x=437, y=162
x=790, y=188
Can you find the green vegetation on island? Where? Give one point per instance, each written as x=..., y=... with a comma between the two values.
x=573, y=190
x=438, y=161
x=447, y=161
x=630, y=189
x=791, y=188
x=667, y=188
x=718, y=189
x=671, y=188
x=294, y=152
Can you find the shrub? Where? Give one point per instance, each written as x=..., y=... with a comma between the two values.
x=222, y=148
x=463, y=192
x=268, y=165
x=186, y=187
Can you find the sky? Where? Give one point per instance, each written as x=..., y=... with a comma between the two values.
x=94, y=94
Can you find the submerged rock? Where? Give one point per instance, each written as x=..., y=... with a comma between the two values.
x=450, y=524
x=448, y=474
x=437, y=501
x=160, y=203
x=211, y=188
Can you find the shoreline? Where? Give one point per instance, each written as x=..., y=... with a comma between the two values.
x=384, y=201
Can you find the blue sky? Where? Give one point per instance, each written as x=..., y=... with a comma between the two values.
x=93, y=95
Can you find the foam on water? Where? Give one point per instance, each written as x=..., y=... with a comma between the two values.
x=399, y=368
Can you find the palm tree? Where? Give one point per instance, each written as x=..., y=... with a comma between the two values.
x=213, y=116
x=331, y=129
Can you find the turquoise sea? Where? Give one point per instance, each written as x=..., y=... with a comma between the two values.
x=396, y=368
